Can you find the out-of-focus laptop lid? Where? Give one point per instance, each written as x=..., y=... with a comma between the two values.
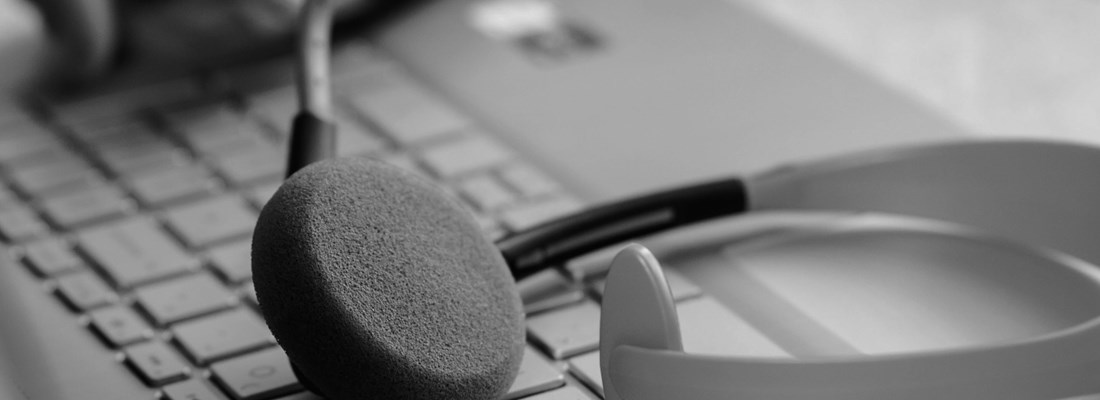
x=629, y=95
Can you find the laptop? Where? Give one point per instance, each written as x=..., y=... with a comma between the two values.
x=126, y=217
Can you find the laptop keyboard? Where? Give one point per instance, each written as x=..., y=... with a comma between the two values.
x=136, y=209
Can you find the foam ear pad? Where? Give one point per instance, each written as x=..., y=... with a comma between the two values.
x=379, y=285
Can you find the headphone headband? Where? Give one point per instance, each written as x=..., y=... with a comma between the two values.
x=641, y=357
x=1037, y=192
x=1041, y=193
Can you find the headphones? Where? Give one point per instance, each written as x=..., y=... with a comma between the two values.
x=378, y=284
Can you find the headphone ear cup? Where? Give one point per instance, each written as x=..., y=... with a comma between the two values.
x=376, y=283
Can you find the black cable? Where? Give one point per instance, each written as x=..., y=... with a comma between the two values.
x=559, y=240
x=313, y=135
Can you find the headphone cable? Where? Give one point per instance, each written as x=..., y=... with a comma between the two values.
x=313, y=134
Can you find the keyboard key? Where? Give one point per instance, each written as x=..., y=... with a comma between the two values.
x=536, y=374
x=408, y=114
x=120, y=325
x=547, y=290
x=492, y=229
x=143, y=150
x=156, y=363
x=565, y=393
x=258, y=375
x=134, y=251
x=211, y=220
x=587, y=368
x=469, y=154
x=233, y=261
x=15, y=123
x=51, y=257
x=154, y=158
x=528, y=181
x=528, y=215
x=18, y=223
x=276, y=108
x=40, y=179
x=130, y=139
x=485, y=193
x=222, y=335
x=86, y=206
x=185, y=297
x=192, y=389
x=51, y=155
x=88, y=134
x=15, y=147
x=354, y=137
x=403, y=161
x=254, y=165
x=259, y=195
x=174, y=184
x=357, y=62
x=84, y=291
x=218, y=131
x=567, y=331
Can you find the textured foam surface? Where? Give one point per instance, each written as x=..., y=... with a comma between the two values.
x=378, y=285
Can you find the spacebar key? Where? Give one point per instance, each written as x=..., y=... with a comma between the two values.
x=134, y=251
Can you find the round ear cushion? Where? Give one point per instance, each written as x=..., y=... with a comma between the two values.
x=379, y=285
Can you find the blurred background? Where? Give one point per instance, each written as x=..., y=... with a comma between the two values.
x=1015, y=67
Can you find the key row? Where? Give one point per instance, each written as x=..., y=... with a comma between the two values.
x=54, y=258
x=266, y=373
x=520, y=205
x=259, y=375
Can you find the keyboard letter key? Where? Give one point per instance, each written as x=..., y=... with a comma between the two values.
x=156, y=363
x=222, y=335
x=84, y=291
x=52, y=257
x=120, y=325
x=193, y=389
x=85, y=206
x=134, y=251
x=536, y=374
x=212, y=220
x=567, y=331
x=19, y=223
x=257, y=376
x=233, y=261
x=183, y=298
